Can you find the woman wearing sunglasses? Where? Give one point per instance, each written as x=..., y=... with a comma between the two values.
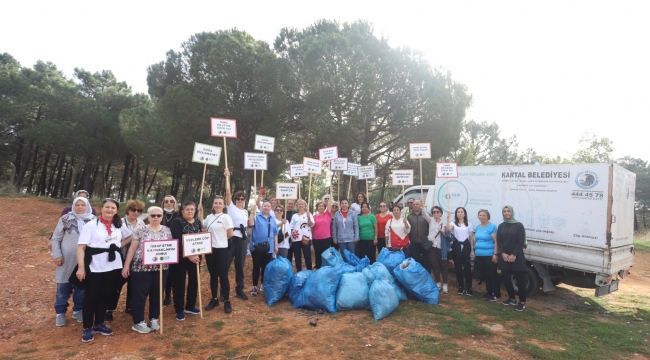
x=322, y=228
x=170, y=208
x=145, y=280
x=238, y=245
x=283, y=231
x=382, y=219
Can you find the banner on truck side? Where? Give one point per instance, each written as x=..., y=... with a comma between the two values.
x=340, y=164
x=366, y=172
x=223, y=127
x=353, y=169
x=197, y=244
x=206, y=154
x=420, y=150
x=446, y=170
x=327, y=154
x=402, y=177
x=160, y=252
x=255, y=161
x=286, y=191
x=312, y=166
x=296, y=171
x=264, y=143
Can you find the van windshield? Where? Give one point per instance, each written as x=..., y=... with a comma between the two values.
x=413, y=194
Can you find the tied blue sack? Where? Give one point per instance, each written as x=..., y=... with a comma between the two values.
x=378, y=271
x=277, y=276
x=363, y=263
x=297, y=282
x=383, y=300
x=417, y=281
x=319, y=291
x=331, y=257
x=391, y=258
x=353, y=292
x=350, y=258
x=346, y=268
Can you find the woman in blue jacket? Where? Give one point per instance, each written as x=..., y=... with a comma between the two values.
x=264, y=236
x=345, y=228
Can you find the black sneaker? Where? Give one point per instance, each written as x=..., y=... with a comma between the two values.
x=227, y=308
x=108, y=316
x=487, y=296
x=460, y=291
x=167, y=300
x=87, y=335
x=520, y=307
x=102, y=329
x=213, y=304
x=509, y=302
x=222, y=298
x=469, y=292
x=493, y=298
x=240, y=295
x=193, y=311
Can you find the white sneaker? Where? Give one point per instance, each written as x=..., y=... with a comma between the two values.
x=154, y=325
x=60, y=320
x=142, y=328
x=262, y=288
x=439, y=286
x=78, y=315
x=445, y=290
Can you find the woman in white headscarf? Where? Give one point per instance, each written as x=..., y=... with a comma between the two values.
x=64, y=253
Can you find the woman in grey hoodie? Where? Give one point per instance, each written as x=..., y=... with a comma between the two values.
x=345, y=228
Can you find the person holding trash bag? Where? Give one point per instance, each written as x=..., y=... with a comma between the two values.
x=301, y=236
x=511, y=238
x=420, y=245
x=99, y=263
x=367, y=234
x=345, y=229
x=146, y=279
x=264, y=240
x=462, y=250
x=219, y=224
x=238, y=244
x=485, y=251
x=440, y=249
x=186, y=266
x=64, y=254
x=283, y=231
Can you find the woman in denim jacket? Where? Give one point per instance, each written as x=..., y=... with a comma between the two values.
x=345, y=228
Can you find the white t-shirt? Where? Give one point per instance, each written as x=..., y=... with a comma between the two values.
x=218, y=225
x=300, y=226
x=94, y=234
x=462, y=232
x=282, y=229
x=239, y=217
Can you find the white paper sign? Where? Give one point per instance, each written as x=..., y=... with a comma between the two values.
x=264, y=143
x=286, y=191
x=340, y=164
x=206, y=154
x=312, y=166
x=330, y=153
x=223, y=127
x=296, y=171
x=366, y=172
x=446, y=170
x=254, y=161
x=420, y=150
x=402, y=177
x=353, y=169
x=160, y=252
x=197, y=244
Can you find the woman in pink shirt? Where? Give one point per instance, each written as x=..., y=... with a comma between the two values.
x=322, y=230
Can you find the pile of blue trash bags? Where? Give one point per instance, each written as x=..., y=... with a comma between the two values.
x=351, y=284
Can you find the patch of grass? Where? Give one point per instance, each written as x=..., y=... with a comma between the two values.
x=334, y=316
x=177, y=343
x=390, y=347
x=147, y=349
x=218, y=325
x=22, y=350
x=25, y=341
x=429, y=345
x=172, y=353
x=69, y=354
x=57, y=347
x=276, y=319
x=150, y=357
x=43, y=233
x=187, y=335
x=251, y=321
x=642, y=242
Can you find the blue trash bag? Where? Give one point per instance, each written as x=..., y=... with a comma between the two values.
x=297, y=282
x=391, y=258
x=346, y=268
x=363, y=263
x=353, y=292
x=378, y=271
x=331, y=257
x=417, y=281
x=319, y=291
x=383, y=300
x=277, y=276
x=350, y=258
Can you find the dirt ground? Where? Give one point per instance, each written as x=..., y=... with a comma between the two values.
x=253, y=330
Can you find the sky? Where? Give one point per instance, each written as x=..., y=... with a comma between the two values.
x=545, y=71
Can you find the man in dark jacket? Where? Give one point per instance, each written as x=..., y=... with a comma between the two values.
x=418, y=235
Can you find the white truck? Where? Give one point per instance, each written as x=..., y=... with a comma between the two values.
x=579, y=218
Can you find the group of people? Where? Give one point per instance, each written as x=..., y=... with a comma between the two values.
x=96, y=255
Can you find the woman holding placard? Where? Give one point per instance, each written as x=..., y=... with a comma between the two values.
x=345, y=229
x=264, y=240
x=367, y=233
x=301, y=236
x=186, y=224
x=239, y=242
x=283, y=231
x=99, y=263
x=462, y=250
x=170, y=207
x=322, y=228
x=219, y=224
x=145, y=279
x=382, y=219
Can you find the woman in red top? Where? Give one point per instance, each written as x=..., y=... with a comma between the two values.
x=382, y=218
x=322, y=230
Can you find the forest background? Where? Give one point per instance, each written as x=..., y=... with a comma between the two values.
x=330, y=84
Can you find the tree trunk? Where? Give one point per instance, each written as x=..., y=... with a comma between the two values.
x=107, y=173
x=136, y=187
x=32, y=174
x=28, y=153
x=153, y=178
x=174, y=188
x=52, y=173
x=60, y=177
x=88, y=170
x=73, y=174
x=65, y=185
x=42, y=182
x=144, y=179
x=125, y=176
x=92, y=180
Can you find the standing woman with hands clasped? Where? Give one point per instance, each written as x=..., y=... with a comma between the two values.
x=264, y=240
x=170, y=207
x=511, y=238
x=345, y=228
x=219, y=224
x=462, y=250
x=367, y=233
x=322, y=228
x=486, y=259
x=99, y=263
x=301, y=224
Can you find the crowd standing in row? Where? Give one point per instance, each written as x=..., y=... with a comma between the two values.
x=96, y=255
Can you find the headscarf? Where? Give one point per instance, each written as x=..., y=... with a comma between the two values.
x=76, y=194
x=512, y=219
x=86, y=216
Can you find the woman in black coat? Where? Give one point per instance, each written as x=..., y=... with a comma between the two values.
x=511, y=237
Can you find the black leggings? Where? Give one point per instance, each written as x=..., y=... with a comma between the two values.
x=520, y=276
x=259, y=263
x=177, y=272
x=366, y=248
x=319, y=247
x=463, y=266
x=488, y=271
x=237, y=251
x=218, y=267
x=99, y=288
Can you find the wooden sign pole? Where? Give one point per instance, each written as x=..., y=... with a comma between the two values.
x=403, y=197
x=367, y=193
x=205, y=166
x=225, y=152
x=448, y=197
x=338, y=185
x=262, y=181
x=349, y=187
x=198, y=278
x=421, y=189
x=160, y=317
x=309, y=195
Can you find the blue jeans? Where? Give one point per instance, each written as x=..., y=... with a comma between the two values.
x=63, y=291
x=350, y=246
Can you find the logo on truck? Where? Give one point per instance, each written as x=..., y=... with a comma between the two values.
x=587, y=180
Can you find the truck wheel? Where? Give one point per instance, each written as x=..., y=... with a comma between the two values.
x=532, y=281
